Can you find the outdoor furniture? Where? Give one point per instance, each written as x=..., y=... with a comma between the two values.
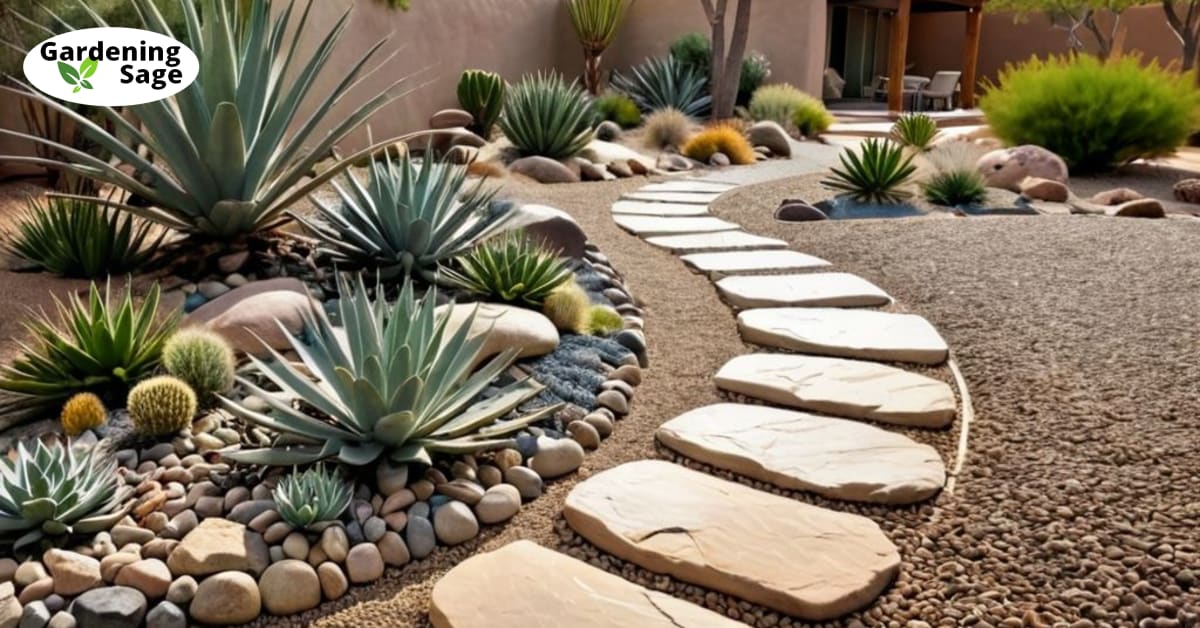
x=834, y=85
x=913, y=85
x=940, y=89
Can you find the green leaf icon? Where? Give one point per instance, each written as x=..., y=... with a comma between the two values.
x=76, y=90
x=85, y=84
x=68, y=73
x=87, y=68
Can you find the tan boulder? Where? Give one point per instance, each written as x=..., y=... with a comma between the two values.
x=1008, y=167
x=219, y=545
x=253, y=309
x=506, y=327
x=1041, y=189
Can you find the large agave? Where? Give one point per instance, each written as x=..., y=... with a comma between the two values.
x=545, y=115
x=395, y=384
x=58, y=490
x=226, y=152
x=661, y=82
x=481, y=93
x=407, y=220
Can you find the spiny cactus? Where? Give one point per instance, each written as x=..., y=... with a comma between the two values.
x=567, y=307
x=82, y=412
x=481, y=94
x=603, y=320
x=161, y=406
x=201, y=358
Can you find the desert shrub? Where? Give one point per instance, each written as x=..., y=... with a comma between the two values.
x=916, y=130
x=667, y=127
x=811, y=118
x=619, y=108
x=201, y=358
x=720, y=138
x=568, y=307
x=1094, y=114
x=756, y=69
x=481, y=94
x=603, y=320
x=953, y=178
x=785, y=104
x=874, y=175
x=661, y=82
x=545, y=115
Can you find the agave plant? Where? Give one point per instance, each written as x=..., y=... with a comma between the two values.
x=307, y=500
x=227, y=154
x=917, y=130
x=76, y=237
x=98, y=346
x=511, y=268
x=955, y=187
x=481, y=94
x=407, y=220
x=50, y=491
x=875, y=175
x=547, y=116
x=397, y=383
x=661, y=82
x=596, y=23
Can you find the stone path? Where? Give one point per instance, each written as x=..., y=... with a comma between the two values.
x=733, y=262
x=650, y=208
x=862, y=334
x=648, y=226
x=814, y=289
x=722, y=241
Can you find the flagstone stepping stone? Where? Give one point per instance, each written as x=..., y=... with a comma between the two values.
x=792, y=557
x=846, y=388
x=719, y=241
x=647, y=226
x=837, y=458
x=649, y=208
x=702, y=198
x=863, y=334
x=688, y=185
x=510, y=587
x=750, y=261
x=815, y=289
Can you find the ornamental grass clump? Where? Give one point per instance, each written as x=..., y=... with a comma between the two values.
x=720, y=138
x=397, y=382
x=547, y=116
x=661, y=82
x=915, y=130
x=1096, y=115
x=313, y=499
x=511, y=269
x=667, y=127
x=203, y=359
x=954, y=179
x=876, y=174
x=785, y=104
x=568, y=307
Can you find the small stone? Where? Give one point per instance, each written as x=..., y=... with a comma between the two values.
x=543, y=170
x=39, y=590
x=111, y=565
x=236, y=280
x=228, y=597
x=62, y=619
x=527, y=481
x=1116, y=196
x=506, y=458
x=182, y=590
x=73, y=573
x=334, y=543
x=29, y=572
x=364, y=563
x=236, y=495
x=181, y=524
x=150, y=576
x=166, y=615
x=55, y=603
x=8, y=569
x=396, y=520
x=630, y=374
x=295, y=546
x=399, y=500
x=797, y=211
x=1141, y=208
x=584, y=434
x=719, y=160
x=219, y=545
x=289, y=586
x=10, y=607
x=420, y=537
x=277, y=532
x=772, y=136
x=1044, y=190
x=558, y=457
x=608, y=131
x=465, y=491
x=333, y=580
x=601, y=423
x=393, y=550
x=489, y=475
x=613, y=400
x=246, y=511
x=500, y=503
x=109, y=607
x=159, y=548
x=374, y=528
x=454, y=523
x=124, y=535
x=211, y=289
x=35, y=615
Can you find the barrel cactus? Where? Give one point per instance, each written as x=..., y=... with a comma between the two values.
x=161, y=406
x=82, y=412
x=481, y=94
x=201, y=358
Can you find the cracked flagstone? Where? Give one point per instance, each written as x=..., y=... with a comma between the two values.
x=648, y=208
x=720, y=241
x=814, y=289
x=648, y=226
x=752, y=261
x=863, y=334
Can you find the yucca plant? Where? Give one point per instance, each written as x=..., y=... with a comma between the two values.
x=955, y=187
x=308, y=500
x=545, y=115
x=86, y=238
x=406, y=220
x=228, y=153
x=916, y=130
x=875, y=174
x=596, y=23
x=58, y=490
x=395, y=383
x=661, y=82
x=98, y=345
x=512, y=269
x=481, y=94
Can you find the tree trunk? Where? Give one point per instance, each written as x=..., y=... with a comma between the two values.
x=591, y=72
x=727, y=64
x=717, y=20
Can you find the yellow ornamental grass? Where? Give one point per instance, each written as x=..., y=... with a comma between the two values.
x=720, y=138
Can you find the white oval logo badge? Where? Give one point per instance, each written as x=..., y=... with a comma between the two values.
x=111, y=67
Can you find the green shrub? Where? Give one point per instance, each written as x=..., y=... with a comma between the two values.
x=547, y=116
x=619, y=108
x=161, y=406
x=785, y=104
x=568, y=308
x=1094, y=114
x=511, y=269
x=875, y=175
x=694, y=50
x=603, y=321
x=481, y=94
x=756, y=69
x=82, y=238
x=916, y=130
x=667, y=127
x=307, y=500
x=955, y=187
x=811, y=118
x=661, y=82
x=201, y=358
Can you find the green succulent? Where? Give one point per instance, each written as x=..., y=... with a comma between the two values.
x=306, y=500
x=50, y=491
x=955, y=187
x=229, y=153
x=395, y=383
x=545, y=115
x=77, y=237
x=661, y=82
x=98, y=345
x=203, y=359
x=510, y=268
x=481, y=94
x=875, y=174
x=917, y=130
x=407, y=220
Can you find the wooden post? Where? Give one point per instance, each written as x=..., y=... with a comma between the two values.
x=898, y=55
x=971, y=57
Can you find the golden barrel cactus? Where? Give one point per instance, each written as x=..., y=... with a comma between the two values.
x=161, y=406
x=83, y=411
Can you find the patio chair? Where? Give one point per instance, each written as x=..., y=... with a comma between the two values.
x=913, y=84
x=941, y=88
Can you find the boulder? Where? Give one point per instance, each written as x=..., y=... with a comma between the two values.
x=543, y=170
x=229, y=597
x=450, y=118
x=1187, y=191
x=608, y=131
x=219, y=545
x=1041, y=189
x=252, y=310
x=1141, y=208
x=506, y=326
x=771, y=135
x=110, y=607
x=798, y=211
x=602, y=152
x=553, y=228
x=1007, y=168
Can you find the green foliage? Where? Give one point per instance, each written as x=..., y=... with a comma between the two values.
x=603, y=321
x=619, y=108
x=231, y=152
x=667, y=127
x=784, y=103
x=201, y=358
x=58, y=490
x=694, y=50
x=481, y=94
x=955, y=187
x=547, y=116
x=96, y=345
x=661, y=82
x=77, y=237
x=407, y=221
x=161, y=406
x=396, y=382
x=596, y=23
x=1096, y=115
x=916, y=130
x=874, y=175
x=511, y=269
x=811, y=118
x=567, y=307
x=307, y=500
x=756, y=69
x=82, y=411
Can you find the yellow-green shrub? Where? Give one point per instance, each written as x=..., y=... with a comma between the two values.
x=720, y=138
x=568, y=307
x=784, y=103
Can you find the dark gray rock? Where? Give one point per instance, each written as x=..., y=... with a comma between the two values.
x=110, y=607
x=166, y=615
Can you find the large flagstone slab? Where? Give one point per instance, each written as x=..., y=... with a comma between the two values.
x=752, y=261
x=524, y=585
x=650, y=208
x=810, y=562
x=815, y=289
x=845, y=388
x=863, y=334
x=702, y=198
x=837, y=458
x=720, y=241
x=649, y=226
x=688, y=185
